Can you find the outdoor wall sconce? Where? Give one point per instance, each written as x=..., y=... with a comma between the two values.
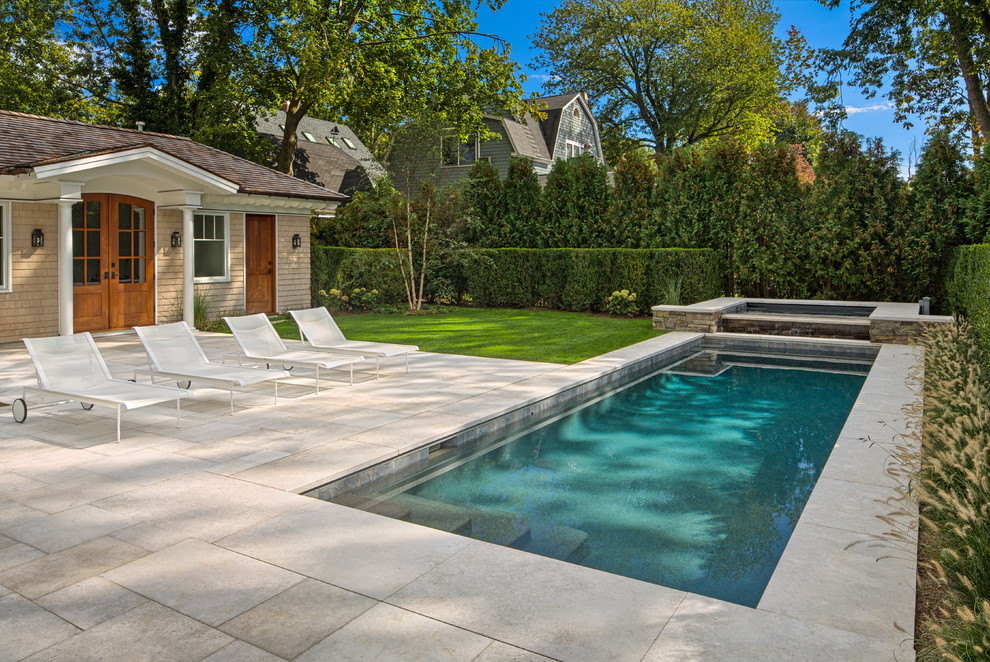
x=176, y=239
x=296, y=241
x=37, y=238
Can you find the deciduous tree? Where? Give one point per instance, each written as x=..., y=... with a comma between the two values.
x=668, y=72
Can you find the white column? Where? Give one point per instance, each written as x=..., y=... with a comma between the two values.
x=188, y=272
x=65, y=313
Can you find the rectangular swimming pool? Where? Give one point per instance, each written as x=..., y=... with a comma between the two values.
x=692, y=477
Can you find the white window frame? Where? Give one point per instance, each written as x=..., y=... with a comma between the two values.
x=451, y=136
x=572, y=149
x=226, y=246
x=6, y=247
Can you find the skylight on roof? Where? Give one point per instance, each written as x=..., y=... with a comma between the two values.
x=333, y=141
x=310, y=137
x=348, y=142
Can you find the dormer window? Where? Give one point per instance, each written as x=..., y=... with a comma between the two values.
x=310, y=137
x=347, y=141
x=332, y=141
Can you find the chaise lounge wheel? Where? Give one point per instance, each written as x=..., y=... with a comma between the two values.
x=86, y=405
x=19, y=409
x=185, y=384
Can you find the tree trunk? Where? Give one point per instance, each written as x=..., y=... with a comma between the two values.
x=974, y=87
x=293, y=114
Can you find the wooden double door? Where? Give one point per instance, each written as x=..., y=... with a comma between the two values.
x=113, y=262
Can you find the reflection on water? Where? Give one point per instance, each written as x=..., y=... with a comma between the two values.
x=688, y=481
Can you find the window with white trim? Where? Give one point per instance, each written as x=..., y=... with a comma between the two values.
x=454, y=152
x=572, y=149
x=211, y=235
x=5, y=251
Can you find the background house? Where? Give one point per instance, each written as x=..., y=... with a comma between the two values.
x=328, y=154
x=569, y=129
x=104, y=228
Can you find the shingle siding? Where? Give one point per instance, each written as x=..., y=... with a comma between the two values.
x=30, y=308
x=292, y=289
x=576, y=129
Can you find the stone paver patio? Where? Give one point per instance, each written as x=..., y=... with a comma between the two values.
x=195, y=544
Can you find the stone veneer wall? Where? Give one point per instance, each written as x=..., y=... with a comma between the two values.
x=293, y=287
x=224, y=297
x=30, y=308
x=705, y=321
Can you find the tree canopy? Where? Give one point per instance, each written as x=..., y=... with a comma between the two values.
x=668, y=72
x=933, y=54
x=205, y=68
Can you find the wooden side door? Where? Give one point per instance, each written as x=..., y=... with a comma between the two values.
x=91, y=263
x=132, y=266
x=259, y=263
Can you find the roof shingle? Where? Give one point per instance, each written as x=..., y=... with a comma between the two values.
x=30, y=141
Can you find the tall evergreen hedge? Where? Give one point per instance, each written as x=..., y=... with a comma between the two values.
x=967, y=287
x=562, y=278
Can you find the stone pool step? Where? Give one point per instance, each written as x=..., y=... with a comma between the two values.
x=384, y=508
x=831, y=326
x=558, y=542
x=435, y=514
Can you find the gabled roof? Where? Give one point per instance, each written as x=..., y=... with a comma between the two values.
x=30, y=141
x=555, y=106
x=271, y=123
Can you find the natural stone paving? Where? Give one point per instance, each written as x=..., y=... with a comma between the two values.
x=195, y=544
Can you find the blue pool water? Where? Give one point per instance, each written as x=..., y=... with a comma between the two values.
x=685, y=480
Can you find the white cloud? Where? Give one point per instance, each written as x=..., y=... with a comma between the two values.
x=854, y=110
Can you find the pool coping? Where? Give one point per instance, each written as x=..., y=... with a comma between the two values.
x=840, y=575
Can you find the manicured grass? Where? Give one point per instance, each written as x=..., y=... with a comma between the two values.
x=529, y=335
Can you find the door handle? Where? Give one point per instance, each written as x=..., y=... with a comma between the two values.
x=106, y=275
x=269, y=269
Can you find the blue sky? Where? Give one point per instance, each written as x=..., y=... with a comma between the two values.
x=519, y=19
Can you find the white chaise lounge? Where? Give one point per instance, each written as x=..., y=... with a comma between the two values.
x=70, y=368
x=175, y=353
x=316, y=326
x=259, y=341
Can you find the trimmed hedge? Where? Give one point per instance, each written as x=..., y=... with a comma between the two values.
x=967, y=287
x=350, y=268
x=561, y=278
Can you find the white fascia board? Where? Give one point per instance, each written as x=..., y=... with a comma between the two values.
x=594, y=126
x=87, y=163
x=263, y=204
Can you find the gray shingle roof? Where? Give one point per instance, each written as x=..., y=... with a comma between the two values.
x=30, y=140
x=527, y=137
x=271, y=124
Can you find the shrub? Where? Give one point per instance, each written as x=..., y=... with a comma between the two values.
x=522, y=198
x=575, y=204
x=622, y=302
x=966, y=286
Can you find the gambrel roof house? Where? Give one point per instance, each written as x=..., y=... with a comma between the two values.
x=327, y=153
x=106, y=228
x=568, y=130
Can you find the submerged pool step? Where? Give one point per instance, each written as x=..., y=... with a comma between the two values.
x=434, y=514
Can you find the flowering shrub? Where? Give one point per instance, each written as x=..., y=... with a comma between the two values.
x=364, y=299
x=622, y=302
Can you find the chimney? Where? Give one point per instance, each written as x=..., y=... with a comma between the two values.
x=285, y=107
x=584, y=95
x=140, y=125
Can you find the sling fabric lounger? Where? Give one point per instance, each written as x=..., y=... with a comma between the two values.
x=317, y=327
x=259, y=341
x=175, y=353
x=71, y=368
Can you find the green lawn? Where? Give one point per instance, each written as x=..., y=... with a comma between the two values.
x=529, y=335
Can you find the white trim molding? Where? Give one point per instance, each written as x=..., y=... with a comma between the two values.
x=149, y=154
x=225, y=216
x=6, y=246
